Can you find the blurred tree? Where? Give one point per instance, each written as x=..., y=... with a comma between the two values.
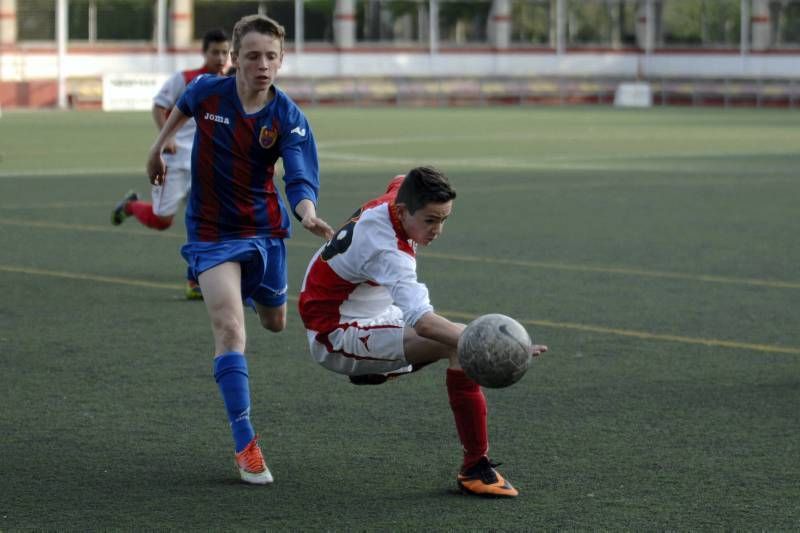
x=210, y=14
x=391, y=20
x=701, y=22
x=786, y=23
x=711, y=23
x=125, y=20
x=36, y=20
x=588, y=22
x=464, y=21
x=530, y=22
x=318, y=18
x=78, y=23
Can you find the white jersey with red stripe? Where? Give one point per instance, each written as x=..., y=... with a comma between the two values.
x=369, y=266
x=167, y=97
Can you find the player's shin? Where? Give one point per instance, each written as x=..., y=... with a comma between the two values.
x=469, y=410
x=230, y=372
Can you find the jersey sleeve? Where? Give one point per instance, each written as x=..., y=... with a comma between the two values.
x=397, y=271
x=301, y=167
x=188, y=101
x=170, y=91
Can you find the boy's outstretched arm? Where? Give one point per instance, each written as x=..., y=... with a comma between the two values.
x=308, y=216
x=160, y=115
x=155, y=163
x=437, y=327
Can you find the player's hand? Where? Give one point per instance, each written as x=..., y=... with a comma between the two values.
x=538, y=349
x=170, y=147
x=156, y=168
x=318, y=227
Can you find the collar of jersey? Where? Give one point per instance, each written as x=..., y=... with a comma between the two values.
x=396, y=224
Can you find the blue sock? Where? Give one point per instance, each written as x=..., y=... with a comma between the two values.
x=230, y=372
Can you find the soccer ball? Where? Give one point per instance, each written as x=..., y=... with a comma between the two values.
x=494, y=350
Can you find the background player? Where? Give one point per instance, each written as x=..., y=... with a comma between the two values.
x=236, y=221
x=177, y=150
x=368, y=317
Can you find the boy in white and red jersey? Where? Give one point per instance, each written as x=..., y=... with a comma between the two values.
x=166, y=198
x=367, y=315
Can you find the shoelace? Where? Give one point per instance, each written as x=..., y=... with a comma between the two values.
x=253, y=460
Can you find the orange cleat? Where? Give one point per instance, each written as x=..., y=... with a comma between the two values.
x=482, y=479
x=251, y=465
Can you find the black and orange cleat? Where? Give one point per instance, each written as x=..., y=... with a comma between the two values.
x=482, y=479
x=120, y=212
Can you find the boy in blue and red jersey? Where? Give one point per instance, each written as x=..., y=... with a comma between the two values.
x=167, y=198
x=236, y=222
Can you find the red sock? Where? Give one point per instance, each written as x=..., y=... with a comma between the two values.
x=143, y=211
x=469, y=410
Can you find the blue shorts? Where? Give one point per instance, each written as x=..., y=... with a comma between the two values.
x=263, y=262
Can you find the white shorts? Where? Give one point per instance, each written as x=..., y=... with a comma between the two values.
x=363, y=346
x=175, y=189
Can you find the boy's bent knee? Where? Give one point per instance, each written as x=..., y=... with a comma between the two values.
x=274, y=323
x=272, y=318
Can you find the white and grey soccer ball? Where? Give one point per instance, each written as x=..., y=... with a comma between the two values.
x=494, y=350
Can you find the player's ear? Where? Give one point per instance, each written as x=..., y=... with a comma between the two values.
x=402, y=210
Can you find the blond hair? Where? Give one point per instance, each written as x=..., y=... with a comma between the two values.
x=259, y=23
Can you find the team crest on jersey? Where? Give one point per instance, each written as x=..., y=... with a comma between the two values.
x=268, y=136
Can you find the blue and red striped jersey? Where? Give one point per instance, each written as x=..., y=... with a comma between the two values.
x=233, y=194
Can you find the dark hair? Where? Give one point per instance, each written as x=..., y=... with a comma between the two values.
x=259, y=23
x=422, y=186
x=214, y=36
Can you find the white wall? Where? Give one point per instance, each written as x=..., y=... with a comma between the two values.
x=17, y=66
